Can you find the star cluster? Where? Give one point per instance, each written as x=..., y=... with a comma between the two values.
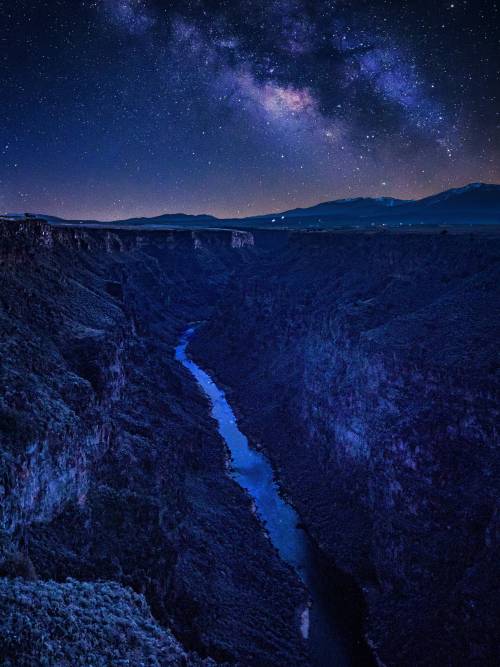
x=118, y=108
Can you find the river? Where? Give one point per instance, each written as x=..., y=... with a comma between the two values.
x=329, y=646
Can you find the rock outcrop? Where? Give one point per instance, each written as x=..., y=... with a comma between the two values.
x=110, y=468
x=366, y=366
x=75, y=623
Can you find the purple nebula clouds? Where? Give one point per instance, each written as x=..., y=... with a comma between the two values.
x=276, y=101
x=133, y=16
x=243, y=106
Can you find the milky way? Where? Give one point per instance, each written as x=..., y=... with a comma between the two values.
x=137, y=107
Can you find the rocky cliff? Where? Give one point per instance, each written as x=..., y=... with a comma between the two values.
x=366, y=367
x=110, y=468
x=364, y=364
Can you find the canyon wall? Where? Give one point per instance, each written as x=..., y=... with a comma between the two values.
x=366, y=367
x=110, y=468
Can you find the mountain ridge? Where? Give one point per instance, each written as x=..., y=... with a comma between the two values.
x=480, y=201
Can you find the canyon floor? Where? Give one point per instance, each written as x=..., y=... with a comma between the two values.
x=363, y=365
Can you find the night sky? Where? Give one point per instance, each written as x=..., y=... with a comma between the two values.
x=117, y=108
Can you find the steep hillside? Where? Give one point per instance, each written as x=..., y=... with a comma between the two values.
x=110, y=467
x=366, y=366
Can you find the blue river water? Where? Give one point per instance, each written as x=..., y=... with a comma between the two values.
x=252, y=471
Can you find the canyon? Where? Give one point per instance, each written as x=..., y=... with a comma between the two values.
x=363, y=364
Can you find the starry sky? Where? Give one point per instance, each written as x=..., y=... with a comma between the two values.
x=119, y=108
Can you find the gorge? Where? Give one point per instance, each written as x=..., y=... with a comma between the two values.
x=361, y=364
x=323, y=623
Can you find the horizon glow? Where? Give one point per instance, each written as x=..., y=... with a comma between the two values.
x=129, y=108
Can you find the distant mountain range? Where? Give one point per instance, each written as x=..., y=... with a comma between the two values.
x=477, y=203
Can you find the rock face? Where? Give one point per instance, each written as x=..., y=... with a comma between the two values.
x=365, y=365
x=110, y=468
